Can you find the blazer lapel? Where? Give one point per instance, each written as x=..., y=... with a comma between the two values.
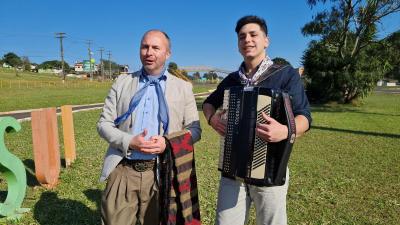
x=132, y=91
x=169, y=94
x=169, y=87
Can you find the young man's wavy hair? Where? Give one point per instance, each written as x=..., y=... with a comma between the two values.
x=251, y=19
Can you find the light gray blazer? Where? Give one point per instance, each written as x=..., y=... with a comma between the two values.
x=182, y=111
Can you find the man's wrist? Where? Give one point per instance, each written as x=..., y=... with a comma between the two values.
x=209, y=118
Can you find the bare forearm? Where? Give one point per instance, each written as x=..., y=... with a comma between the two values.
x=302, y=125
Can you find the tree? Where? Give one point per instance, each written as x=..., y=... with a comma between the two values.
x=196, y=76
x=13, y=60
x=172, y=66
x=114, y=66
x=26, y=64
x=280, y=61
x=389, y=54
x=53, y=64
x=210, y=76
x=339, y=60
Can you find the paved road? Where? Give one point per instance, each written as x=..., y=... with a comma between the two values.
x=388, y=90
x=25, y=115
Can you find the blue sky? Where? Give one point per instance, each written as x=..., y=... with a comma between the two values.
x=202, y=32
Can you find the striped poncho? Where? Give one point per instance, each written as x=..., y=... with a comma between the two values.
x=179, y=201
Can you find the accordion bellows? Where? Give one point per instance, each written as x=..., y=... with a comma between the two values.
x=243, y=155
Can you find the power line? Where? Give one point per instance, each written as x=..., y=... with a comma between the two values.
x=109, y=63
x=61, y=35
x=89, y=43
x=101, y=62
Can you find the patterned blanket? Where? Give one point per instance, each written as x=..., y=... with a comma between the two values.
x=179, y=201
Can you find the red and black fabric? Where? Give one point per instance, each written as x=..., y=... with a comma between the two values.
x=179, y=203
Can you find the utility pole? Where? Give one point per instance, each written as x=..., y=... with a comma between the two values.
x=101, y=62
x=109, y=64
x=89, y=42
x=61, y=35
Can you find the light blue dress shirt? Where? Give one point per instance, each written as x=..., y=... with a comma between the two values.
x=147, y=116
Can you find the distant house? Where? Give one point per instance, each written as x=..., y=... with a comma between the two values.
x=78, y=67
x=5, y=65
x=34, y=68
x=124, y=69
x=387, y=83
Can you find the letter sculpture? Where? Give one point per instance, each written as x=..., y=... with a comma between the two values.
x=14, y=171
x=69, y=136
x=46, y=149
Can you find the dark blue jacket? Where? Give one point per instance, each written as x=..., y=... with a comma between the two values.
x=284, y=78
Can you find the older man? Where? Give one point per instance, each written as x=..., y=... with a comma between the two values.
x=139, y=109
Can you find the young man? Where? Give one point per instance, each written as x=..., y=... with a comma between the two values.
x=257, y=69
x=139, y=109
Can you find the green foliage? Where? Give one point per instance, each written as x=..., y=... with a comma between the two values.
x=210, y=75
x=26, y=64
x=280, y=61
x=53, y=64
x=332, y=78
x=12, y=59
x=172, y=66
x=389, y=54
x=339, y=63
x=196, y=76
x=114, y=66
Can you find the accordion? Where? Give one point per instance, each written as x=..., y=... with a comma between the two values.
x=243, y=155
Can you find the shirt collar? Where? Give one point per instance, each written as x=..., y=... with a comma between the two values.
x=144, y=76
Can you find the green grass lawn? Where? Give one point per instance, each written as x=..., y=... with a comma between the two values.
x=32, y=90
x=9, y=74
x=345, y=170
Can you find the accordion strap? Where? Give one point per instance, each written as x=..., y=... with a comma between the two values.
x=281, y=171
x=290, y=117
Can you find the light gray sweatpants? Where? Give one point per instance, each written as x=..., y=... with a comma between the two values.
x=235, y=197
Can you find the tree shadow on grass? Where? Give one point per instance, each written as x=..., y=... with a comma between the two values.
x=3, y=196
x=333, y=109
x=95, y=196
x=377, y=134
x=51, y=210
x=30, y=173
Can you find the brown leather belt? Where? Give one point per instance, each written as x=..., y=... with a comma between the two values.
x=139, y=165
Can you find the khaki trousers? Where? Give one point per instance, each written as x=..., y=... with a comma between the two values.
x=130, y=197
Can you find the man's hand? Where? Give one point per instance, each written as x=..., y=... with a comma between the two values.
x=138, y=141
x=217, y=123
x=155, y=145
x=271, y=130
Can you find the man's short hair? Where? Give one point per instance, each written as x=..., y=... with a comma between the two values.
x=251, y=19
